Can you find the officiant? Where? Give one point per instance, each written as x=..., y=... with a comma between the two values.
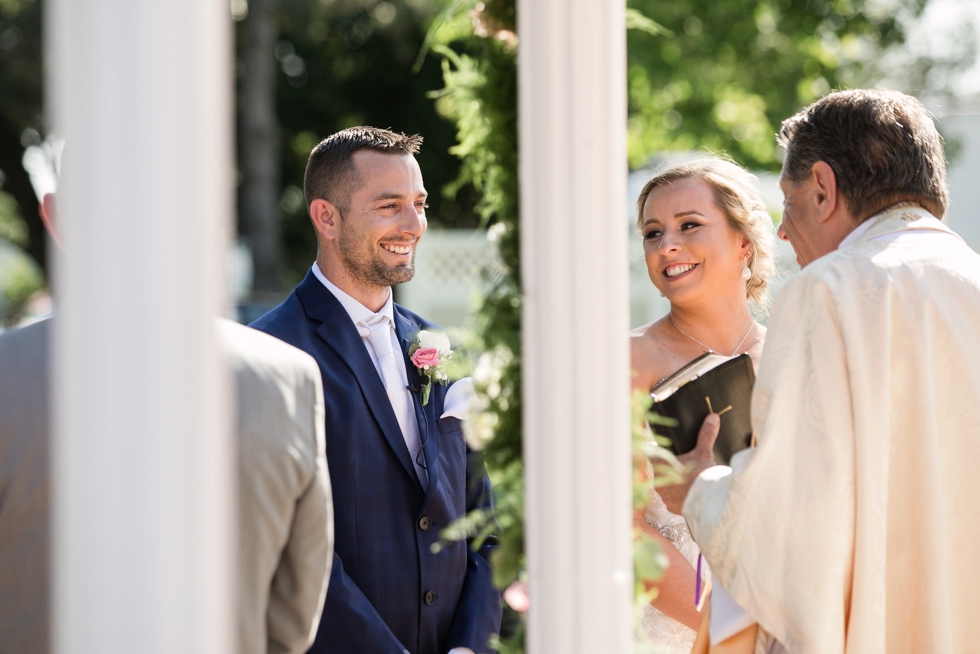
x=853, y=525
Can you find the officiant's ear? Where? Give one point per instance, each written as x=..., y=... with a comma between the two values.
x=326, y=217
x=823, y=191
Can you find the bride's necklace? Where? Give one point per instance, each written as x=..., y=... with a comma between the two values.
x=671, y=318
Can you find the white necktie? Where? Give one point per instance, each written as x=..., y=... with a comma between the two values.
x=378, y=331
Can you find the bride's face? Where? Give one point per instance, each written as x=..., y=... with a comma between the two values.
x=692, y=253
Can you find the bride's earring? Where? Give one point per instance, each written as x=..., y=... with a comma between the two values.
x=746, y=272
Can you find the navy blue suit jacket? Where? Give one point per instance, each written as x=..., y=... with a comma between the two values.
x=389, y=592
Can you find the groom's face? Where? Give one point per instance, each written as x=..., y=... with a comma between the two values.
x=384, y=220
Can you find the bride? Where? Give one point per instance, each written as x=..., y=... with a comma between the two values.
x=707, y=239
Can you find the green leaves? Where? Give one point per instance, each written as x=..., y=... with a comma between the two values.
x=479, y=96
x=649, y=562
x=637, y=21
x=723, y=76
x=12, y=227
x=450, y=25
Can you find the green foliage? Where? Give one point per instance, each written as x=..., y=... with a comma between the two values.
x=649, y=456
x=732, y=71
x=350, y=62
x=649, y=564
x=20, y=279
x=12, y=8
x=637, y=21
x=480, y=97
x=20, y=276
x=21, y=120
x=12, y=227
x=649, y=561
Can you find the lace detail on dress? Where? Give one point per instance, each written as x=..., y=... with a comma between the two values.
x=671, y=636
x=674, y=533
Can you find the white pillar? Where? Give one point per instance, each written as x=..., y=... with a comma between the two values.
x=572, y=90
x=142, y=466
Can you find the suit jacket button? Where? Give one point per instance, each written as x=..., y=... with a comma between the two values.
x=430, y=597
x=425, y=523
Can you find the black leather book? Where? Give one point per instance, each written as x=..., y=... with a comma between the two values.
x=712, y=382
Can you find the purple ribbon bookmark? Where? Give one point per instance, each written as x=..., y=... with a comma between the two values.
x=697, y=583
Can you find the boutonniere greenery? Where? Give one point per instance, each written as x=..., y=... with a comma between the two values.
x=430, y=354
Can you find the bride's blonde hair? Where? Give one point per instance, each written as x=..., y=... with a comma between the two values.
x=737, y=195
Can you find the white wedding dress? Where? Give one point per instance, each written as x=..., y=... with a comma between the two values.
x=668, y=635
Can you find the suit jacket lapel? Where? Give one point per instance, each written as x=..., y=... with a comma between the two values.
x=406, y=329
x=337, y=330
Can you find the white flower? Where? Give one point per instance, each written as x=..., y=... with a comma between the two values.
x=437, y=340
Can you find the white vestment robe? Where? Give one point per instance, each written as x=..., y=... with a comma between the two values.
x=854, y=525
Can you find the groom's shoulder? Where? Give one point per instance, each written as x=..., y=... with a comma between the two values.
x=279, y=316
x=286, y=321
x=416, y=318
x=293, y=311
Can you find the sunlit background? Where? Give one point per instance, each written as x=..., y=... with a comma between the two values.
x=702, y=75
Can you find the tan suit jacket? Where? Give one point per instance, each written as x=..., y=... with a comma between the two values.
x=285, y=511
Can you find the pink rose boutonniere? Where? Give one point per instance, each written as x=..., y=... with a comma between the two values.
x=430, y=352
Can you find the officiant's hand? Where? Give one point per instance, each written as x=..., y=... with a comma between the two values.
x=696, y=461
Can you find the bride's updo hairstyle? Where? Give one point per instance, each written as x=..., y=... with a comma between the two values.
x=737, y=195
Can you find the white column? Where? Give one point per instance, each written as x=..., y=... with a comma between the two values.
x=142, y=466
x=572, y=89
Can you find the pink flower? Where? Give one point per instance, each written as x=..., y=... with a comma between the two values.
x=425, y=356
x=516, y=597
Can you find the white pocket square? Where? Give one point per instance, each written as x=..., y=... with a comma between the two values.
x=458, y=399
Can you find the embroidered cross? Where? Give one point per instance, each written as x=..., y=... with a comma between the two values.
x=727, y=408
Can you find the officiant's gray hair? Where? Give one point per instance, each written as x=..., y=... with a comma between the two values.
x=331, y=173
x=882, y=145
x=737, y=194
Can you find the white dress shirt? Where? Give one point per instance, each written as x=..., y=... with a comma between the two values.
x=362, y=316
x=459, y=396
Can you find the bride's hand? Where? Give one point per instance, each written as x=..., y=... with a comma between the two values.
x=696, y=461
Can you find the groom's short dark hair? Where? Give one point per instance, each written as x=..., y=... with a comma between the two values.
x=331, y=173
x=882, y=146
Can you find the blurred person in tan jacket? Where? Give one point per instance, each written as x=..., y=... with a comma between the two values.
x=285, y=516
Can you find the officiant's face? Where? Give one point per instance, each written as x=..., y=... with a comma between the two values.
x=385, y=218
x=798, y=220
x=692, y=252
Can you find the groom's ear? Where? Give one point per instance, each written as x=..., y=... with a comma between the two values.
x=325, y=218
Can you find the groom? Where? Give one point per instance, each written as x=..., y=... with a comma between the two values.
x=401, y=471
x=853, y=526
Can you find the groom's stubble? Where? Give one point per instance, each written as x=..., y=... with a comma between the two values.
x=363, y=264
